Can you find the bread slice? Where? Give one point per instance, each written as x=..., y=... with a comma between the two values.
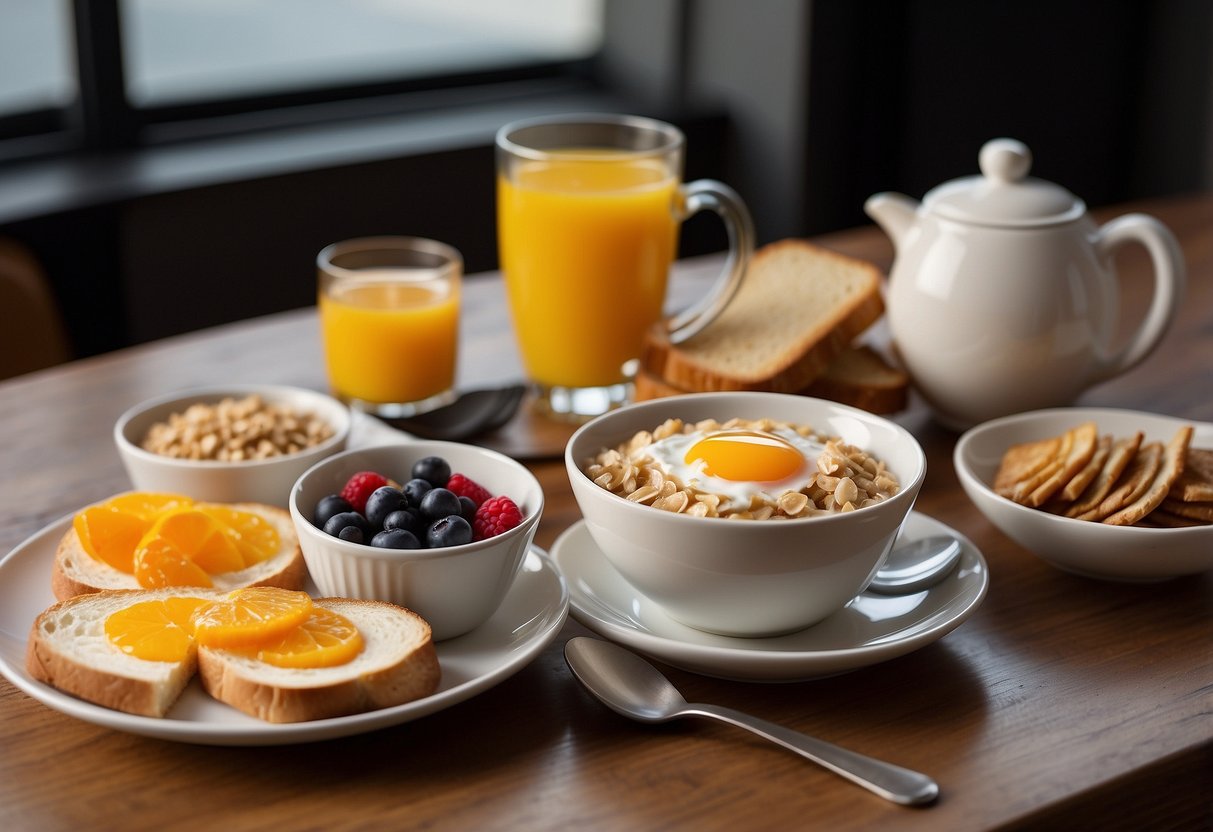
x=69, y=650
x=398, y=664
x=797, y=309
x=858, y=377
x=76, y=572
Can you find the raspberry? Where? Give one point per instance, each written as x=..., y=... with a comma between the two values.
x=360, y=486
x=495, y=515
x=463, y=487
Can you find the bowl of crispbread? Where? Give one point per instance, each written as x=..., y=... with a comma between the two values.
x=1113, y=494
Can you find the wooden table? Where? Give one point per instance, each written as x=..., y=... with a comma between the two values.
x=1063, y=702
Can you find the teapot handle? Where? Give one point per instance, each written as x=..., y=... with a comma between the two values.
x=1169, y=282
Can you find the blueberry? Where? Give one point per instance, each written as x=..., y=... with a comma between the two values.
x=406, y=519
x=396, y=539
x=433, y=469
x=449, y=531
x=382, y=502
x=327, y=507
x=467, y=508
x=438, y=503
x=351, y=534
x=347, y=519
x=415, y=489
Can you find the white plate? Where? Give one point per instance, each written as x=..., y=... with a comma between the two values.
x=1119, y=553
x=527, y=620
x=871, y=629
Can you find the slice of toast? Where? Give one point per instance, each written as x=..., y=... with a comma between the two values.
x=398, y=664
x=76, y=572
x=798, y=308
x=858, y=377
x=68, y=649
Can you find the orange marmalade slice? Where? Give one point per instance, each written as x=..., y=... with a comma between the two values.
x=110, y=531
x=157, y=631
x=325, y=639
x=251, y=617
x=184, y=547
x=256, y=538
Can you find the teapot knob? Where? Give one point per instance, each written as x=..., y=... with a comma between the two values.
x=1005, y=160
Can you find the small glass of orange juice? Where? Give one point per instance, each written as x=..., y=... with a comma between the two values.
x=389, y=320
x=588, y=214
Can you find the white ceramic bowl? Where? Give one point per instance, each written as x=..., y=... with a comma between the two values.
x=266, y=481
x=456, y=588
x=746, y=578
x=1123, y=553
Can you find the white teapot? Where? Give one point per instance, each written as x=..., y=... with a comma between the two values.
x=1003, y=294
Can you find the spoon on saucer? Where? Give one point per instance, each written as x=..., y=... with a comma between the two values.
x=630, y=686
x=915, y=566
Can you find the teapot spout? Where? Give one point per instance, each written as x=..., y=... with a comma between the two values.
x=895, y=213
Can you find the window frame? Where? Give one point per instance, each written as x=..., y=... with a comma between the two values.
x=103, y=118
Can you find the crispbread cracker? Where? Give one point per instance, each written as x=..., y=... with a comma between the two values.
x=1132, y=483
x=1022, y=462
x=1169, y=469
x=1080, y=443
x=1165, y=519
x=1192, y=511
x=1195, y=484
x=1079, y=482
x=1117, y=481
x=1122, y=453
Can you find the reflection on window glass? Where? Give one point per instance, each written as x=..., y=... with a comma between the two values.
x=37, y=69
x=189, y=50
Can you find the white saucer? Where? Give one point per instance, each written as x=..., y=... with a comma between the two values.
x=871, y=629
x=527, y=620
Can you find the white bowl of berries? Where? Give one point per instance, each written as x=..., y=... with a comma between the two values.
x=438, y=527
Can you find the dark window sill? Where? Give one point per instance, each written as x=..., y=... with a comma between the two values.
x=70, y=182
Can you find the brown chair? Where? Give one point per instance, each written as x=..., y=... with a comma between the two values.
x=32, y=334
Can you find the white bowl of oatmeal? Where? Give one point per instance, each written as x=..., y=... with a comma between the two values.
x=790, y=544
x=232, y=444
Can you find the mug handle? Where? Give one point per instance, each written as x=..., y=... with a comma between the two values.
x=1170, y=277
x=720, y=198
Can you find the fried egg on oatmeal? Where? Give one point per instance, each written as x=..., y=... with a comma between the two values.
x=739, y=464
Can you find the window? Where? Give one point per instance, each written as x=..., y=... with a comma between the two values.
x=37, y=70
x=147, y=62
x=189, y=50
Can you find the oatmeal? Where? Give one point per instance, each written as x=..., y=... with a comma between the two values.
x=742, y=469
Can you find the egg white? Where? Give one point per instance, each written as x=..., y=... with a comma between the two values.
x=669, y=455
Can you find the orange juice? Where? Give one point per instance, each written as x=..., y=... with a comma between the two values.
x=390, y=341
x=586, y=245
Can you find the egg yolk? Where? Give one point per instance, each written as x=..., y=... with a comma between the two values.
x=749, y=456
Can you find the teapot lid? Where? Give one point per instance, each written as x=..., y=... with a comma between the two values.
x=1004, y=194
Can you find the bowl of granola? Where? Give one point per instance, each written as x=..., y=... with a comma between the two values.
x=232, y=444
x=742, y=513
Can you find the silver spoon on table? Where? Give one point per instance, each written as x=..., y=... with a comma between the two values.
x=631, y=686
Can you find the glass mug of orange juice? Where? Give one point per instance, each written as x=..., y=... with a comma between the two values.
x=389, y=319
x=588, y=210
